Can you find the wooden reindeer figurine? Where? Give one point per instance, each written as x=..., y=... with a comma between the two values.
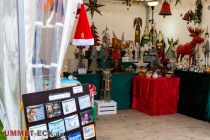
x=188, y=48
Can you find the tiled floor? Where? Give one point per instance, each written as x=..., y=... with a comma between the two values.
x=133, y=125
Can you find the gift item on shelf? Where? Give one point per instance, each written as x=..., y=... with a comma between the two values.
x=94, y=64
x=171, y=52
x=153, y=36
x=188, y=48
x=106, y=37
x=172, y=65
x=136, y=51
x=116, y=57
x=95, y=35
x=106, y=85
x=155, y=75
x=206, y=48
x=145, y=37
x=138, y=24
x=130, y=52
x=160, y=48
x=149, y=74
x=103, y=56
x=73, y=65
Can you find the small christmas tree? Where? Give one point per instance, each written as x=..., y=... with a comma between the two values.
x=96, y=40
x=95, y=35
x=116, y=56
x=106, y=37
x=103, y=55
x=94, y=63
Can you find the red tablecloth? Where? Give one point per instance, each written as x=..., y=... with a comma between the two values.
x=155, y=96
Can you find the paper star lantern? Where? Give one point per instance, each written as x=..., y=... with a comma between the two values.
x=93, y=7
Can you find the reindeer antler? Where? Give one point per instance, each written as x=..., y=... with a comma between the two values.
x=195, y=31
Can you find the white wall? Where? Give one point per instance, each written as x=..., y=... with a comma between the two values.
x=117, y=18
x=174, y=26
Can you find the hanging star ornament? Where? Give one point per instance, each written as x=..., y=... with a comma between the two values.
x=177, y=1
x=93, y=6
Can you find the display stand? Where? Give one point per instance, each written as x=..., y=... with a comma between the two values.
x=65, y=113
x=105, y=107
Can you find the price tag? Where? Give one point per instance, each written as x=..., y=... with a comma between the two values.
x=78, y=89
x=59, y=96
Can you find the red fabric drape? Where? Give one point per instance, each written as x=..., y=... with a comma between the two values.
x=155, y=96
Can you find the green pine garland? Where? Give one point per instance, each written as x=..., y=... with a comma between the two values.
x=198, y=12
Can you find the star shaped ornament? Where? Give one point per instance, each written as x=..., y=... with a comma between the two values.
x=93, y=7
x=177, y=1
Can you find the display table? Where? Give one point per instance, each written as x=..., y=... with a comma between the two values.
x=121, y=86
x=194, y=95
x=155, y=96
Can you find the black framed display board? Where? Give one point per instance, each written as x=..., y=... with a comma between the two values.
x=60, y=114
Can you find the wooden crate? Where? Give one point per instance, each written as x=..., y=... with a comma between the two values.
x=105, y=108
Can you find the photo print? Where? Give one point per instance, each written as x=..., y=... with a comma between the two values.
x=35, y=113
x=72, y=122
x=89, y=131
x=53, y=109
x=57, y=128
x=35, y=129
x=75, y=136
x=69, y=106
x=84, y=102
x=86, y=117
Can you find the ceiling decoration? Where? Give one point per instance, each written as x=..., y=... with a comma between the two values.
x=93, y=7
x=178, y=1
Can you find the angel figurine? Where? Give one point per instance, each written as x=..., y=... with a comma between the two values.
x=136, y=49
x=171, y=52
x=138, y=25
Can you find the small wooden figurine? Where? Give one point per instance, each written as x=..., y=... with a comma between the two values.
x=171, y=52
x=138, y=25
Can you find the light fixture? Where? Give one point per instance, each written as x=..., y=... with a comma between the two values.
x=152, y=3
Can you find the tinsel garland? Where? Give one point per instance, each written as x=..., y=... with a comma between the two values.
x=198, y=12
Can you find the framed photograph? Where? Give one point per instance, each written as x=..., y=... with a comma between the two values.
x=84, y=102
x=86, y=117
x=61, y=138
x=71, y=122
x=77, y=89
x=89, y=132
x=35, y=113
x=57, y=128
x=36, y=128
x=75, y=136
x=69, y=106
x=53, y=109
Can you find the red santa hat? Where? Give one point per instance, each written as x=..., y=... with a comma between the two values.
x=83, y=35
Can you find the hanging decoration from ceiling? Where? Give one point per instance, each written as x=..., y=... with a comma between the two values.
x=178, y=1
x=166, y=9
x=128, y=2
x=93, y=7
x=198, y=12
x=189, y=16
x=138, y=25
